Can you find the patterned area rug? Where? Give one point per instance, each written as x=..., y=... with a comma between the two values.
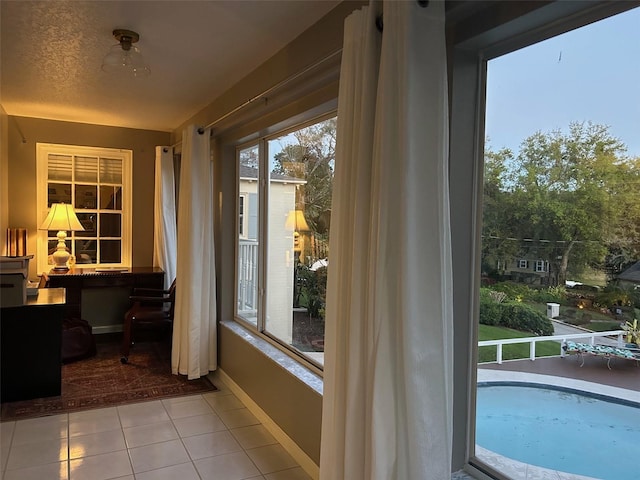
x=102, y=381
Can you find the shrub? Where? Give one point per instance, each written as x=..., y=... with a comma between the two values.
x=497, y=297
x=619, y=294
x=314, y=289
x=550, y=294
x=490, y=312
x=513, y=315
x=525, y=318
x=515, y=291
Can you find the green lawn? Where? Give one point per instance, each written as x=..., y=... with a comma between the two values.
x=542, y=308
x=511, y=352
x=602, y=326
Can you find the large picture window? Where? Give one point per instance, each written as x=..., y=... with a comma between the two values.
x=560, y=186
x=284, y=211
x=97, y=182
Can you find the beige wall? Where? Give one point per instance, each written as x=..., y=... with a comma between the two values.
x=24, y=133
x=290, y=403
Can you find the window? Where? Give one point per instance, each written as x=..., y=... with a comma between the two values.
x=283, y=235
x=242, y=217
x=247, y=248
x=552, y=191
x=97, y=182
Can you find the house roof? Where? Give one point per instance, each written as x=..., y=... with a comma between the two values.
x=631, y=274
x=250, y=173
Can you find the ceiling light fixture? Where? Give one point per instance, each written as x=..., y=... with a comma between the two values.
x=125, y=57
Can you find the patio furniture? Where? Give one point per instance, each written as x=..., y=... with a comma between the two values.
x=605, y=351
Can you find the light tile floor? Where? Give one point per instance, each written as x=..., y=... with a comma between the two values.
x=198, y=437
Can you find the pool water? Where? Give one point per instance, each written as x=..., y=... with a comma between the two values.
x=561, y=430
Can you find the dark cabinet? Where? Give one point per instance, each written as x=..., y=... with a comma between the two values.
x=31, y=337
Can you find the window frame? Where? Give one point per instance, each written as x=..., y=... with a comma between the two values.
x=43, y=150
x=468, y=57
x=295, y=123
x=242, y=215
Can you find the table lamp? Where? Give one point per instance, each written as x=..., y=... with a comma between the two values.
x=295, y=221
x=63, y=218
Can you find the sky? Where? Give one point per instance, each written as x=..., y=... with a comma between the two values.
x=588, y=74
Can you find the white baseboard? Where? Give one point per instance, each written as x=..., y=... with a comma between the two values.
x=305, y=462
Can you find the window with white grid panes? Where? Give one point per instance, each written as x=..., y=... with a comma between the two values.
x=97, y=182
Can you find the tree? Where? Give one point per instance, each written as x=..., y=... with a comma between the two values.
x=624, y=244
x=312, y=158
x=564, y=196
x=497, y=247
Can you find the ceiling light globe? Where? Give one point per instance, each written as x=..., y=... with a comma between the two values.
x=128, y=62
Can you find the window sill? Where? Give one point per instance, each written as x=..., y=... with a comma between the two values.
x=461, y=475
x=295, y=367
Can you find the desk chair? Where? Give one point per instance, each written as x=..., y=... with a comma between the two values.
x=44, y=280
x=150, y=307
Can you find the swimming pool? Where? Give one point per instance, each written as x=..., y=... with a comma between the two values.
x=560, y=429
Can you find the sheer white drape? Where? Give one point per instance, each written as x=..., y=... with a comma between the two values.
x=164, y=215
x=388, y=381
x=194, y=351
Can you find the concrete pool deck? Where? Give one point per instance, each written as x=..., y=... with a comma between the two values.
x=624, y=374
x=622, y=381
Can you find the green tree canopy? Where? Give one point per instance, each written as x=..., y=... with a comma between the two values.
x=565, y=197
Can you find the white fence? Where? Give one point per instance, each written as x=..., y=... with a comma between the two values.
x=558, y=338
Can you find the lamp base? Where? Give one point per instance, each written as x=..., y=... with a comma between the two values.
x=61, y=255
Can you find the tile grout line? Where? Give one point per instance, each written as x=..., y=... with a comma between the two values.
x=68, y=447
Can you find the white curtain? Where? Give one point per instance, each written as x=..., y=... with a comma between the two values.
x=194, y=351
x=388, y=377
x=164, y=218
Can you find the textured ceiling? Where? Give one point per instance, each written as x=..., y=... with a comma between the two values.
x=51, y=53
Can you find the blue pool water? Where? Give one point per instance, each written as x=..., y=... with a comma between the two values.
x=560, y=429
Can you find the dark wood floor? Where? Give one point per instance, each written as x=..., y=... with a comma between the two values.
x=623, y=373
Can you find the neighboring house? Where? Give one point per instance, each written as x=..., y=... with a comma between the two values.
x=530, y=270
x=631, y=276
x=282, y=200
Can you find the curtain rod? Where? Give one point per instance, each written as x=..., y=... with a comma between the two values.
x=267, y=92
x=380, y=23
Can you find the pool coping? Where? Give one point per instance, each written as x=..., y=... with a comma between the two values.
x=488, y=375
x=525, y=471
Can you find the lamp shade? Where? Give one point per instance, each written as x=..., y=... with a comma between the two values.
x=296, y=221
x=62, y=217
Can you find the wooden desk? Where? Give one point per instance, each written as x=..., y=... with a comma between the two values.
x=78, y=279
x=31, y=337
